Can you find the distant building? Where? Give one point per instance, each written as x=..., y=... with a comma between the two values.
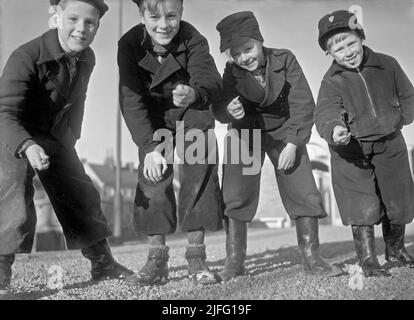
x=103, y=176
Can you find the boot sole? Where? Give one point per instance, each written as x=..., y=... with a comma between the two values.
x=135, y=281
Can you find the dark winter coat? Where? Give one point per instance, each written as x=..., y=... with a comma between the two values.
x=284, y=108
x=36, y=97
x=146, y=86
x=373, y=101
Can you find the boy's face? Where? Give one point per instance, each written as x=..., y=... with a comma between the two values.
x=249, y=55
x=348, y=52
x=79, y=22
x=163, y=25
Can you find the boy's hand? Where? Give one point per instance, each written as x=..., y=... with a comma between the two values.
x=37, y=157
x=236, y=109
x=341, y=136
x=183, y=96
x=287, y=157
x=155, y=166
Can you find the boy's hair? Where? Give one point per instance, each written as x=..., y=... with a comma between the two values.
x=151, y=5
x=338, y=37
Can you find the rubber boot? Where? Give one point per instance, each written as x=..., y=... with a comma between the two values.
x=395, y=251
x=364, y=240
x=103, y=265
x=308, y=241
x=6, y=262
x=155, y=270
x=236, y=245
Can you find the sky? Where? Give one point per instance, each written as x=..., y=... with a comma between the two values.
x=291, y=24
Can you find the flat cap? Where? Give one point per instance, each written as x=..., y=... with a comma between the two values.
x=238, y=28
x=99, y=4
x=335, y=22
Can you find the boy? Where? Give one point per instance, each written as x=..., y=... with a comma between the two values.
x=364, y=100
x=42, y=95
x=167, y=75
x=266, y=89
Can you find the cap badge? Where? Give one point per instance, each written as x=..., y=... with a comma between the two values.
x=331, y=19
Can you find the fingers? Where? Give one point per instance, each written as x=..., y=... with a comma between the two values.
x=341, y=135
x=180, y=101
x=343, y=139
x=237, y=113
x=285, y=164
x=38, y=158
x=180, y=89
x=236, y=109
x=287, y=158
x=37, y=164
x=155, y=174
x=183, y=96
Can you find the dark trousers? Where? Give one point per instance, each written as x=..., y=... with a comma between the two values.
x=297, y=187
x=369, y=177
x=199, y=202
x=74, y=198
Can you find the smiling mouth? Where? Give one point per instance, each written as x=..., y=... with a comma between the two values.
x=248, y=64
x=164, y=34
x=80, y=39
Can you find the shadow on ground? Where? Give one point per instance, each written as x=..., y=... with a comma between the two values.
x=287, y=257
x=341, y=253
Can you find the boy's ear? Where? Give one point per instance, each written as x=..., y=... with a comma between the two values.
x=181, y=11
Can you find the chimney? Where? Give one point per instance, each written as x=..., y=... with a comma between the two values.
x=109, y=160
x=130, y=166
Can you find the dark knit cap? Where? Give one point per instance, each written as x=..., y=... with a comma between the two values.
x=238, y=28
x=336, y=22
x=99, y=4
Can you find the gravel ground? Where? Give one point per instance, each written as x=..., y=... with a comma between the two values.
x=273, y=265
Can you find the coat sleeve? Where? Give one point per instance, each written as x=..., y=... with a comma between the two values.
x=301, y=104
x=134, y=99
x=405, y=92
x=204, y=77
x=15, y=86
x=329, y=111
x=229, y=93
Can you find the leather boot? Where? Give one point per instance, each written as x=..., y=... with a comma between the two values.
x=307, y=229
x=236, y=245
x=103, y=265
x=155, y=270
x=364, y=240
x=6, y=262
x=198, y=270
x=395, y=251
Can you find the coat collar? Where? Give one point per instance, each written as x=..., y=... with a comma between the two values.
x=174, y=61
x=51, y=58
x=248, y=86
x=275, y=81
x=370, y=59
x=51, y=50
